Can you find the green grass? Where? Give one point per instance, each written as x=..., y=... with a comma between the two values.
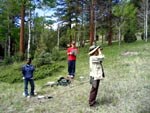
x=125, y=89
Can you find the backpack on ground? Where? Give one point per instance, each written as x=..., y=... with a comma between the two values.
x=63, y=81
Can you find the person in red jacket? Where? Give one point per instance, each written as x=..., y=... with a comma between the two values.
x=72, y=53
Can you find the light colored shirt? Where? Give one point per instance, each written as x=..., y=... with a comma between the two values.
x=96, y=70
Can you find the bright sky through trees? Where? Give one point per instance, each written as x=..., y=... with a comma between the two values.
x=47, y=13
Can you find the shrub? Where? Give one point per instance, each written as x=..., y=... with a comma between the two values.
x=46, y=70
x=129, y=37
x=10, y=73
x=17, y=57
x=58, y=55
x=64, y=41
x=14, y=75
x=8, y=60
x=148, y=36
x=43, y=59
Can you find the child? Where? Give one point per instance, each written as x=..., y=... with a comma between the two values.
x=96, y=71
x=72, y=53
x=27, y=71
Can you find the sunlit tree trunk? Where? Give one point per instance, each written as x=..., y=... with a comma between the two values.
x=146, y=20
x=29, y=39
x=145, y=2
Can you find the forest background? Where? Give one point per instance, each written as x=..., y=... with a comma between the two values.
x=121, y=27
x=24, y=34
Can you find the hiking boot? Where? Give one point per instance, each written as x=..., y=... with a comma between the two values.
x=94, y=104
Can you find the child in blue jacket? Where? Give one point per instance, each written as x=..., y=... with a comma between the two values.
x=27, y=71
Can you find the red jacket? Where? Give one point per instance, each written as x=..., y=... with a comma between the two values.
x=72, y=52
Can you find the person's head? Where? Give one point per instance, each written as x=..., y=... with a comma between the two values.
x=94, y=50
x=68, y=45
x=73, y=44
x=29, y=60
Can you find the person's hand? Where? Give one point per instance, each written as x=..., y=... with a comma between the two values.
x=99, y=51
x=70, y=53
x=23, y=78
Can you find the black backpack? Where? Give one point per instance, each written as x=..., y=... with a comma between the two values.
x=63, y=81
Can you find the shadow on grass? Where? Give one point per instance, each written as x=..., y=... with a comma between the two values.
x=108, y=100
x=147, y=110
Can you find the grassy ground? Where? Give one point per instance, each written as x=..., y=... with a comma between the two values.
x=125, y=89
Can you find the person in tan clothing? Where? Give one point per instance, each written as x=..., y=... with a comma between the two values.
x=96, y=71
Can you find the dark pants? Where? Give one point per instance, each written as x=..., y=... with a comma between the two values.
x=71, y=67
x=93, y=92
x=26, y=81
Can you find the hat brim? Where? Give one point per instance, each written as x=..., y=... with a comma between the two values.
x=91, y=52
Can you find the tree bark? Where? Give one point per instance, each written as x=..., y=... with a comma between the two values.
x=119, y=31
x=21, y=49
x=58, y=35
x=29, y=39
x=92, y=22
x=110, y=25
x=9, y=38
x=146, y=20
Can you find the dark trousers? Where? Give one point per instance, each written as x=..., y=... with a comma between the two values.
x=71, y=67
x=26, y=81
x=93, y=92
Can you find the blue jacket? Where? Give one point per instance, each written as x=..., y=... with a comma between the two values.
x=27, y=71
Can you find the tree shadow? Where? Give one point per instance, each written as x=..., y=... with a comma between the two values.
x=145, y=110
x=108, y=100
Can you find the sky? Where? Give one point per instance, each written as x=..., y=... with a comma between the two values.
x=47, y=13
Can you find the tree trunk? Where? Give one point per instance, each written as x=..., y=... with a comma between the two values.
x=145, y=2
x=8, y=38
x=58, y=35
x=146, y=20
x=9, y=42
x=5, y=49
x=21, y=49
x=92, y=23
x=29, y=39
x=110, y=25
x=70, y=27
x=102, y=38
x=119, y=32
